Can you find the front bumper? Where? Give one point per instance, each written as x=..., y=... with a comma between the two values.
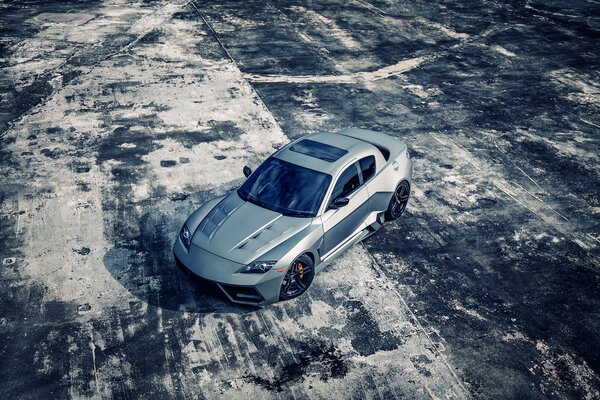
x=220, y=274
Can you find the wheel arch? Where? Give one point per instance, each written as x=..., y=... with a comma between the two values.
x=311, y=255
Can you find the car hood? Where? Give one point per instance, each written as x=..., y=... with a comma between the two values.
x=241, y=231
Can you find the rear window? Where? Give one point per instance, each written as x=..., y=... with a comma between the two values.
x=318, y=150
x=384, y=152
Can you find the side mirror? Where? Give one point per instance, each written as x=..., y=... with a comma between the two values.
x=247, y=171
x=339, y=202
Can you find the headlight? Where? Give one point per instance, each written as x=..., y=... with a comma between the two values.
x=258, y=267
x=186, y=236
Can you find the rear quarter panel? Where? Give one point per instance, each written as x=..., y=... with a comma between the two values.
x=389, y=173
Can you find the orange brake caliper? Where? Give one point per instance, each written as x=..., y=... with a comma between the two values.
x=300, y=269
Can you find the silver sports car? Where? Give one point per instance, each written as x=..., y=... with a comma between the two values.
x=298, y=211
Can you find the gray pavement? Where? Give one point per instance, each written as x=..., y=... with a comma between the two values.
x=118, y=119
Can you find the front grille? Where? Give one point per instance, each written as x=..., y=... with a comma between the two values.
x=205, y=284
x=246, y=294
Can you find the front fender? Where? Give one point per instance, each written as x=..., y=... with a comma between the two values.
x=307, y=240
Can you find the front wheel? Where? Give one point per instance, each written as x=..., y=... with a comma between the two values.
x=398, y=202
x=298, y=278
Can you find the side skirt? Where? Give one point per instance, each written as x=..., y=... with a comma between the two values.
x=335, y=253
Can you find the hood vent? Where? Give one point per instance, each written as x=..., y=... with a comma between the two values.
x=217, y=216
x=265, y=237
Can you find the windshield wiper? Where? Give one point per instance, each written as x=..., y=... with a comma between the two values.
x=297, y=214
x=258, y=202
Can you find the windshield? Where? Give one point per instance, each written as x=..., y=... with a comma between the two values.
x=286, y=188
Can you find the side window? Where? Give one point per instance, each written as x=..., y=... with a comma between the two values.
x=367, y=167
x=347, y=182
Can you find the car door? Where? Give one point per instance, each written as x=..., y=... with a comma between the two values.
x=340, y=223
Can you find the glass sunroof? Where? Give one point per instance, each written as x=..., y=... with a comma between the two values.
x=318, y=150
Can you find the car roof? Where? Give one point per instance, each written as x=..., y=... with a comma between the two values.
x=337, y=151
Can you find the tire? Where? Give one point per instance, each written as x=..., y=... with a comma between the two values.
x=298, y=278
x=398, y=201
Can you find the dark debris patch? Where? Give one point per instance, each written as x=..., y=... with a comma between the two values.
x=322, y=359
x=84, y=186
x=55, y=130
x=80, y=168
x=51, y=153
x=83, y=251
x=226, y=129
x=179, y=196
x=420, y=363
x=151, y=37
x=360, y=320
x=168, y=163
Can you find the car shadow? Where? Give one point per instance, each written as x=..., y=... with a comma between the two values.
x=142, y=261
x=171, y=289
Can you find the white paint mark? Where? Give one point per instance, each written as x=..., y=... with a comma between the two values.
x=503, y=51
x=594, y=236
x=371, y=7
x=154, y=20
x=421, y=91
x=569, y=144
x=443, y=28
x=547, y=12
x=590, y=123
x=455, y=304
x=431, y=394
x=532, y=180
x=515, y=335
x=93, y=348
x=567, y=371
x=327, y=27
x=356, y=77
x=586, y=89
x=582, y=244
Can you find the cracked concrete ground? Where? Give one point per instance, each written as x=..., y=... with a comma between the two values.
x=118, y=119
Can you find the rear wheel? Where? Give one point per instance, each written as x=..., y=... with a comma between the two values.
x=398, y=202
x=298, y=278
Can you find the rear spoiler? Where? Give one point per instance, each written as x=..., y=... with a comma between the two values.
x=385, y=143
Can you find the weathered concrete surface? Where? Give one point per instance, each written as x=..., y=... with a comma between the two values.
x=118, y=119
